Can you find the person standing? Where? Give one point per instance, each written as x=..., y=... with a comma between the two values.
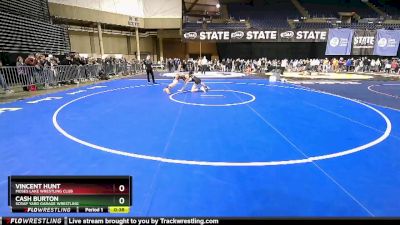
x=348, y=65
x=149, y=69
x=204, y=63
x=378, y=65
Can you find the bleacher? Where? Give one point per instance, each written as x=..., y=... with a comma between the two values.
x=265, y=14
x=30, y=9
x=270, y=23
x=330, y=8
x=274, y=14
x=192, y=26
x=229, y=26
x=21, y=35
x=302, y=25
x=388, y=8
x=370, y=26
x=391, y=26
x=25, y=28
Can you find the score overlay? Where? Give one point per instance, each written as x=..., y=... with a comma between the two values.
x=64, y=194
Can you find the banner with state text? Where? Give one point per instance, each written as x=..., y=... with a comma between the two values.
x=256, y=35
x=363, y=42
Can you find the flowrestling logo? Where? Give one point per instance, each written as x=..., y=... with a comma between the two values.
x=237, y=35
x=190, y=35
x=287, y=34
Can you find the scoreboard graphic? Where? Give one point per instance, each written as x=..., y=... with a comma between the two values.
x=70, y=194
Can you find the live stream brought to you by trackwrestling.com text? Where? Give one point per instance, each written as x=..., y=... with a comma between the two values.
x=159, y=112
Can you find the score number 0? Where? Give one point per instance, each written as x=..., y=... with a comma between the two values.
x=121, y=200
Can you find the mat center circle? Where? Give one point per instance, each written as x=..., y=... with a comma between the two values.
x=218, y=98
x=176, y=160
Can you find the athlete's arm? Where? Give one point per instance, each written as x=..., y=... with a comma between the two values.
x=187, y=80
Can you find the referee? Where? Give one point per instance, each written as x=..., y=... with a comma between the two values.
x=149, y=69
x=204, y=63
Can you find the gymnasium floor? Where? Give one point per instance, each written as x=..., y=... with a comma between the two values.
x=247, y=148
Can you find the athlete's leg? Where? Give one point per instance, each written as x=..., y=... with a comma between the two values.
x=205, y=86
x=170, y=86
x=148, y=77
x=194, y=88
x=152, y=76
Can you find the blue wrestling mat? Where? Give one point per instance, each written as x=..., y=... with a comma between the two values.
x=245, y=148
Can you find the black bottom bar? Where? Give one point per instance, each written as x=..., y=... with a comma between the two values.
x=178, y=220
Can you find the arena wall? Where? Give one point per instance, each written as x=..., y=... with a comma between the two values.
x=88, y=43
x=77, y=12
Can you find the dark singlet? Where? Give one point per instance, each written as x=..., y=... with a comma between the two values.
x=196, y=80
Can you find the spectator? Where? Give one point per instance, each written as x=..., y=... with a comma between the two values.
x=325, y=67
x=394, y=66
x=348, y=64
x=3, y=82
x=373, y=66
x=366, y=63
x=30, y=60
x=20, y=64
x=388, y=66
x=67, y=60
x=335, y=65
x=378, y=65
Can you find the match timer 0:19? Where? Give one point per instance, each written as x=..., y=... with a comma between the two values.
x=69, y=194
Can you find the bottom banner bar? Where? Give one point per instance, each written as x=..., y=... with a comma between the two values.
x=179, y=220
